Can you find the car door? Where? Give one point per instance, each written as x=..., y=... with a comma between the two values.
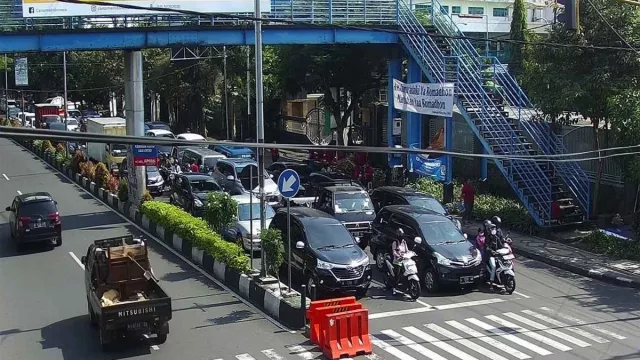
x=186, y=196
x=379, y=226
x=377, y=198
x=393, y=199
x=299, y=257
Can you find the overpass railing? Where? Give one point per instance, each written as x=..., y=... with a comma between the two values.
x=352, y=12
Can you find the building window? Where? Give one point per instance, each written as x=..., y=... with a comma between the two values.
x=456, y=10
x=423, y=7
x=500, y=12
x=474, y=10
x=445, y=9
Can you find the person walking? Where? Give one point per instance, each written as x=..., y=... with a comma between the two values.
x=468, y=195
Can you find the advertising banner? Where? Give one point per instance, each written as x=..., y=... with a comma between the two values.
x=427, y=99
x=145, y=155
x=53, y=8
x=22, y=72
x=435, y=169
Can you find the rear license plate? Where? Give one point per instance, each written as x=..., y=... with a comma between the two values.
x=137, y=326
x=39, y=225
x=466, y=279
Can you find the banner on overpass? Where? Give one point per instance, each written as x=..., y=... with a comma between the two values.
x=54, y=8
x=427, y=99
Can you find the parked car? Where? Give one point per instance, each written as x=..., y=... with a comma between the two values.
x=445, y=256
x=240, y=152
x=323, y=252
x=159, y=125
x=161, y=133
x=155, y=182
x=235, y=178
x=34, y=217
x=319, y=180
x=303, y=170
x=190, y=191
x=248, y=212
x=205, y=157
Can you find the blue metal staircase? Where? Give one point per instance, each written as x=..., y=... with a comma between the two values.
x=501, y=116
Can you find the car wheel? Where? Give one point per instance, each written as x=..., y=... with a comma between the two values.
x=58, y=241
x=430, y=280
x=361, y=293
x=380, y=260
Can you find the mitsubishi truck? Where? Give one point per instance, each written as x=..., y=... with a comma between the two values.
x=124, y=298
x=111, y=155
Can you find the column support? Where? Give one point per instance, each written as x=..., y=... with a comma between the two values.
x=414, y=120
x=134, y=113
x=394, y=72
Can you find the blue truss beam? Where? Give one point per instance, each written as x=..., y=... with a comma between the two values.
x=140, y=38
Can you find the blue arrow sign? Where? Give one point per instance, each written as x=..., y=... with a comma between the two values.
x=288, y=183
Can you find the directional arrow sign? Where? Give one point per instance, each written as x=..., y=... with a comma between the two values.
x=288, y=183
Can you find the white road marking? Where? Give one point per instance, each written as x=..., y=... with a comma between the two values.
x=439, y=344
x=468, y=304
x=5, y=176
x=523, y=295
x=373, y=357
x=423, y=303
x=489, y=340
x=390, y=349
x=400, y=312
x=464, y=342
x=566, y=326
x=533, y=335
x=556, y=333
x=272, y=354
x=245, y=357
x=19, y=193
x=514, y=339
x=75, y=258
x=155, y=347
x=584, y=323
x=301, y=352
x=412, y=345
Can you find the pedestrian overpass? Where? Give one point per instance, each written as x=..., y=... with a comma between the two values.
x=494, y=106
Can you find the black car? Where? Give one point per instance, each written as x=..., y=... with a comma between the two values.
x=319, y=180
x=395, y=195
x=190, y=191
x=445, y=256
x=34, y=217
x=303, y=170
x=157, y=125
x=323, y=252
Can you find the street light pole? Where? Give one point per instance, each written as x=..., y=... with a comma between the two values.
x=6, y=86
x=226, y=103
x=486, y=35
x=260, y=124
x=64, y=74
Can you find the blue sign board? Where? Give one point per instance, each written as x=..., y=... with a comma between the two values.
x=435, y=169
x=288, y=183
x=145, y=155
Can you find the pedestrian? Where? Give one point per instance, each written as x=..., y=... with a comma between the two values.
x=194, y=167
x=468, y=195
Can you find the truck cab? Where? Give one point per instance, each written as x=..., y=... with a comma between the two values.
x=111, y=155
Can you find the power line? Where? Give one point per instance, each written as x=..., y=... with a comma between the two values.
x=336, y=26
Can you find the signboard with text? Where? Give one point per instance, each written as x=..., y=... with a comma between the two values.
x=54, y=8
x=22, y=72
x=145, y=155
x=428, y=99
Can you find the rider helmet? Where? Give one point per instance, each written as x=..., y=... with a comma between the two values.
x=496, y=221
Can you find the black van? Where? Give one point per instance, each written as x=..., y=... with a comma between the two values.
x=323, y=252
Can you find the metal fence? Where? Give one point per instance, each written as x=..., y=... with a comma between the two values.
x=353, y=12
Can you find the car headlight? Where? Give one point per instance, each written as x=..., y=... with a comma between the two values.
x=324, y=265
x=441, y=259
x=197, y=202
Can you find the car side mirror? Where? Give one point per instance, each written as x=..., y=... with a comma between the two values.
x=83, y=260
x=465, y=235
x=417, y=240
x=231, y=178
x=299, y=245
x=8, y=208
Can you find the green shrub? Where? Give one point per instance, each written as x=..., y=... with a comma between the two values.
x=101, y=174
x=196, y=230
x=271, y=242
x=37, y=144
x=123, y=190
x=601, y=243
x=61, y=156
x=47, y=146
x=220, y=210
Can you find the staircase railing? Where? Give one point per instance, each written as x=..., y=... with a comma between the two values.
x=549, y=143
x=469, y=87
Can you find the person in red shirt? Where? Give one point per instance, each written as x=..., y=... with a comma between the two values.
x=468, y=195
x=194, y=167
x=275, y=154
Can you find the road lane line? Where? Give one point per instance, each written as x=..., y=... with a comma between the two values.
x=567, y=327
x=468, y=304
x=533, y=335
x=373, y=357
x=439, y=344
x=76, y=259
x=488, y=340
x=584, y=323
x=177, y=254
x=245, y=357
x=19, y=193
x=390, y=349
x=523, y=295
x=301, y=352
x=272, y=354
x=554, y=332
x=399, y=312
x=514, y=339
x=412, y=345
x=5, y=176
x=464, y=342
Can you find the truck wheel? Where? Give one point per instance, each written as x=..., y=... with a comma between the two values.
x=92, y=316
x=161, y=338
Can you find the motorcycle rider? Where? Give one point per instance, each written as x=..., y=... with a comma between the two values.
x=493, y=242
x=498, y=223
x=175, y=168
x=398, y=248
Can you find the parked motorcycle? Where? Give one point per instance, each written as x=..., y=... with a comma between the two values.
x=505, y=276
x=409, y=273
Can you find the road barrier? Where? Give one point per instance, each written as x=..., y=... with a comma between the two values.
x=340, y=327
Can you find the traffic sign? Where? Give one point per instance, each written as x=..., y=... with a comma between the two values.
x=288, y=183
x=145, y=155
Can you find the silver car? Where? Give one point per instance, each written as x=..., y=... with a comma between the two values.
x=248, y=215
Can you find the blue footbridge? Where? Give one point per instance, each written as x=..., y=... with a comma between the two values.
x=492, y=103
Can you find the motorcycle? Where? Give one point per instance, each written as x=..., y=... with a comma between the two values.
x=505, y=276
x=408, y=276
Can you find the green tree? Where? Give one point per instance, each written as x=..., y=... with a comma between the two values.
x=220, y=210
x=519, y=33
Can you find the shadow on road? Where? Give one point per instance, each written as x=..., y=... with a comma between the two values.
x=87, y=221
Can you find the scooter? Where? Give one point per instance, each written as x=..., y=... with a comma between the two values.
x=505, y=276
x=409, y=273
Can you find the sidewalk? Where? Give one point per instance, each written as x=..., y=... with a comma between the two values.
x=600, y=267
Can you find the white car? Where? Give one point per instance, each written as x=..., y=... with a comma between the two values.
x=190, y=137
x=72, y=124
x=240, y=229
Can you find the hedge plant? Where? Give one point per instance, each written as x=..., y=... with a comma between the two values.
x=601, y=243
x=271, y=243
x=197, y=231
x=220, y=210
x=101, y=174
x=123, y=190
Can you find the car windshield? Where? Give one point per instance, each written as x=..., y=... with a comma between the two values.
x=210, y=162
x=13, y=111
x=152, y=169
x=204, y=186
x=440, y=232
x=118, y=147
x=42, y=208
x=75, y=113
x=428, y=203
x=246, y=210
x=302, y=170
x=240, y=167
x=51, y=119
x=72, y=122
x=353, y=202
x=323, y=235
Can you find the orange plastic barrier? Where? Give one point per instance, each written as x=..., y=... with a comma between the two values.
x=315, y=326
x=346, y=334
x=315, y=305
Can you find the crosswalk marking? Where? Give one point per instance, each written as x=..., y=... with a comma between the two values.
x=533, y=335
x=556, y=333
x=584, y=323
x=566, y=326
x=441, y=345
x=301, y=352
x=464, y=342
x=245, y=357
x=491, y=341
x=412, y=345
x=390, y=349
x=514, y=339
x=272, y=354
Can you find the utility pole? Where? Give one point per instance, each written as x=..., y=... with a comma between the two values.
x=64, y=74
x=248, y=88
x=6, y=87
x=260, y=124
x=226, y=103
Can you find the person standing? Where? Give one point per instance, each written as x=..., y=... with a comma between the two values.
x=275, y=153
x=468, y=195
